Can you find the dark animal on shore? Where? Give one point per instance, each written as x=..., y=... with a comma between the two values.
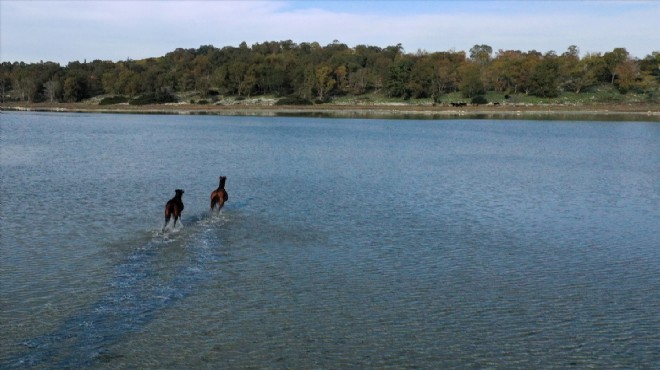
x=174, y=207
x=458, y=104
x=219, y=196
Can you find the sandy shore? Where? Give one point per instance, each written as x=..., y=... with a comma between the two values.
x=638, y=112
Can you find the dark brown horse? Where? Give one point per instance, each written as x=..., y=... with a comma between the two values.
x=173, y=208
x=219, y=196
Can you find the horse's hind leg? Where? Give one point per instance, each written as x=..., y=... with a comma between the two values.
x=167, y=220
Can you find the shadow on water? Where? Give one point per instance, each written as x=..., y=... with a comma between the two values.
x=137, y=292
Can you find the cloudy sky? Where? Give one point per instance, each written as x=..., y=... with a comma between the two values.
x=64, y=31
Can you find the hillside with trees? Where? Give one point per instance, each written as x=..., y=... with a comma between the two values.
x=308, y=73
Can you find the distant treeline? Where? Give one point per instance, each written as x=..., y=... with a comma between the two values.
x=311, y=72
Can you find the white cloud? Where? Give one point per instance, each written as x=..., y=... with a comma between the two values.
x=76, y=30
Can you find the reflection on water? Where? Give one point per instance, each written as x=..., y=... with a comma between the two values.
x=471, y=115
x=345, y=243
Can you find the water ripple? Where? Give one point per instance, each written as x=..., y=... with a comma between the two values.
x=138, y=292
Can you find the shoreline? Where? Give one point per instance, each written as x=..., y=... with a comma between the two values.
x=613, y=112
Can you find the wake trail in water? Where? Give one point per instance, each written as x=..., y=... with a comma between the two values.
x=137, y=294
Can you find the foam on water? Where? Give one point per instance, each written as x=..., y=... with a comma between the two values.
x=138, y=291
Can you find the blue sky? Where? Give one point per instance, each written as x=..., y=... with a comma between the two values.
x=64, y=31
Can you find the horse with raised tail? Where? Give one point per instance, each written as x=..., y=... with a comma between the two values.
x=174, y=207
x=219, y=196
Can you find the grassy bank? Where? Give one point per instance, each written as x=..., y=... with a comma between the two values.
x=601, y=105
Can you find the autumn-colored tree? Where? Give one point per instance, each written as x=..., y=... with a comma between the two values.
x=201, y=73
x=128, y=82
x=444, y=75
x=420, y=83
x=531, y=60
x=506, y=72
x=627, y=73
x=324, y=82
x=310, y=70
x=341, y=76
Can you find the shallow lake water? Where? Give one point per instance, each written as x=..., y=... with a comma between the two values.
x=345, y=243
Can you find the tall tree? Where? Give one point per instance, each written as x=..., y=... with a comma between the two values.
x=626, y=72
x=420, y=82
x=310, y=70
x=324, y=81
x=613, y=59
x=506, y=71
x=445, y=71
x=5, y=81
x=52, y=89
x=544, y=81
x=585, y=73
x=75, y=88
x=399, y=77
x=471, y=84
x=481, y=54
x=531, y=61
x=649, y=70
x=358, y=81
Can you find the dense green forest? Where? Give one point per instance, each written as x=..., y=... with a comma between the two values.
x=309, y=72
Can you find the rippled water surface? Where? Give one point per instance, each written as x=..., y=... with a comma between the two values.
x=344, y=243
